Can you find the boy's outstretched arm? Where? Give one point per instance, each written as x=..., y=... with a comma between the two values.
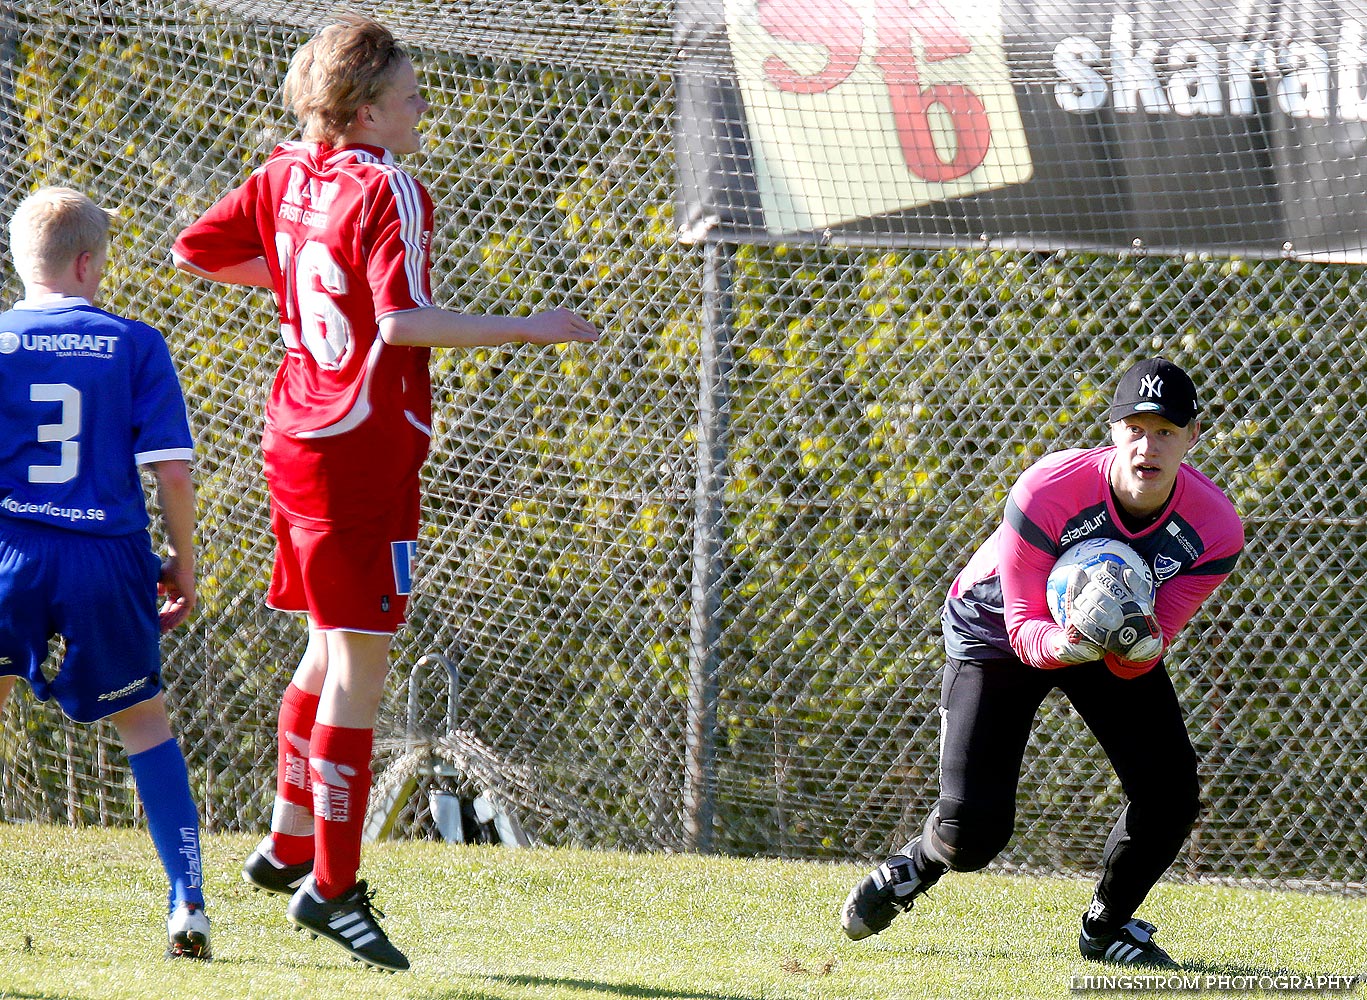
x=252, y=272
x=436, y=327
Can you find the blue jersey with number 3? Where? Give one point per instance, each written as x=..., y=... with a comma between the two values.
x=85, y=398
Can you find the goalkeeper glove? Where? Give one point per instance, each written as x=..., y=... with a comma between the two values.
x=1072, y=646
x=1114, y=611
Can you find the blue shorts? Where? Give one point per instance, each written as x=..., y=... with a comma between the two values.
x=100, y=595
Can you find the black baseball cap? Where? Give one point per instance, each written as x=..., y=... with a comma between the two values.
x=1156, y=386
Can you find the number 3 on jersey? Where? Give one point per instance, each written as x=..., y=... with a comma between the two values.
x=64, y=431
x=313, y=319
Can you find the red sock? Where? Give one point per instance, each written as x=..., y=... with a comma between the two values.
x=339, y=763
x=292, y=820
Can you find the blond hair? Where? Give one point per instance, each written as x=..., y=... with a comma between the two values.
x=51, y=228
x=338, y=71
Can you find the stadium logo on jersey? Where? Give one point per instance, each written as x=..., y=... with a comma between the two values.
x=1083, y=530
x=9, y=342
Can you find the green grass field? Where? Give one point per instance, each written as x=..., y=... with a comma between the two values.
x=81, y=919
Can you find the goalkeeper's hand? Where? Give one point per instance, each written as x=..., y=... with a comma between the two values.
x=1114, y=611
x=1072, y=646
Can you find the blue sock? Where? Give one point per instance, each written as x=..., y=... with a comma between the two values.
x=172, y=819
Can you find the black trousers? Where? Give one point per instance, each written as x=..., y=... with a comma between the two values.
x=987, y=710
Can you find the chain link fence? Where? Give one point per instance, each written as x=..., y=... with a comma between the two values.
x=689, y=579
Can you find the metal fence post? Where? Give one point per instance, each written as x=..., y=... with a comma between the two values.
x=704, y=632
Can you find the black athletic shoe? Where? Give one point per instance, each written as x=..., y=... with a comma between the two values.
x=263, y=870
x=1131, y=945
x=880, y=895
x=349, y=920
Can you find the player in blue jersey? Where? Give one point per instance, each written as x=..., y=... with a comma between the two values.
x=86, y=399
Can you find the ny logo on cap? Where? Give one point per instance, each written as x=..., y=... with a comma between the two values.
x=1151, y=385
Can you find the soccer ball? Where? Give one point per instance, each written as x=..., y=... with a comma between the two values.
x=1089, y=554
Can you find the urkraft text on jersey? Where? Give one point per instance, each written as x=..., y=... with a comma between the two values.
x=59, y=343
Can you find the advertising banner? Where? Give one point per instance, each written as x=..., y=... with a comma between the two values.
x=1188, y=125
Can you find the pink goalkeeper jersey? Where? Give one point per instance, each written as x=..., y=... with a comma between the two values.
x=346, y=235
x=996, y=606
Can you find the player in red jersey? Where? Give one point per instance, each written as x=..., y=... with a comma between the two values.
x=342, y=236
x=1006, y=653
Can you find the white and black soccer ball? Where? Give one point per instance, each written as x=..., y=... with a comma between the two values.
x=1089, y=554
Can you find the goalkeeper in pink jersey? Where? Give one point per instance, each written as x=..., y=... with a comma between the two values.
x=1006, y=653
x=341, y=234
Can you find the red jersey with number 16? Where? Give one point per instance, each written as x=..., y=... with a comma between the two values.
x=346, y=235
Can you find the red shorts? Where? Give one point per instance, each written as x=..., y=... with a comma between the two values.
x=355, y=578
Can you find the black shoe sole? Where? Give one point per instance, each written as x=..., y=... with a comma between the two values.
x=314, y=934
x=276, y=883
